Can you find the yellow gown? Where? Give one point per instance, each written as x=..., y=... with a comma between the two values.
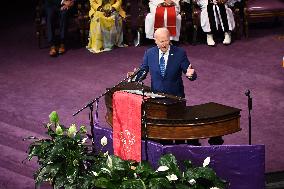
x=105, y=32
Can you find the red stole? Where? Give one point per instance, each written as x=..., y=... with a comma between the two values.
x=171, y=19
x=127, y=125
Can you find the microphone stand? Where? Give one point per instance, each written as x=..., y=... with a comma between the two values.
x=247, y=93
x=96, y=100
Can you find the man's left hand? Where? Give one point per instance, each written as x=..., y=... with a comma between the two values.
x=189, y=72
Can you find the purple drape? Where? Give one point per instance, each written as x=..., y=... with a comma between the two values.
x=241, y=165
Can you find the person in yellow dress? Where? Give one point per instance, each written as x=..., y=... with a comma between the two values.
x=106, y=25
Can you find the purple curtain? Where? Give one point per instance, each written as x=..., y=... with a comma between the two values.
x=241, y=165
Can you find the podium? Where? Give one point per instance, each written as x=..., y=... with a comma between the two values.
x=169, y=118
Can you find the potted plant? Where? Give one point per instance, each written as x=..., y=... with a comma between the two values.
x=67, y=160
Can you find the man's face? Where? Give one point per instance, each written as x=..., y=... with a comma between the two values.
x=163, y=41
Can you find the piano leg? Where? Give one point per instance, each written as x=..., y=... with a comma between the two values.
x=193, y=142
x=216, y=140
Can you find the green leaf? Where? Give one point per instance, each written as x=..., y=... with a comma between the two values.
x=46, y=173
x=181, y=186
x=53, y=117
x=59, y=181
x=83, y=129
x=119, y=164
x=159, y=183
x=187, y=164
x=206, y=173
x=86, y=182
x=69, y=186
x=144, y=169
x=102, y=182
x=71, y=173
x=170, y=161
x=220, y=183
x=133, y=184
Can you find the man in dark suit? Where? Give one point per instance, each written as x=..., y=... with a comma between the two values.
x=57, y=10
x=166, y=63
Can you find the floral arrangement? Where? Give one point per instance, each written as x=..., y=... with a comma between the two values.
x=67, y=159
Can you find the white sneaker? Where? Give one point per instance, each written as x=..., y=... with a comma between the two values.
x=210, y=40
x=227, y=38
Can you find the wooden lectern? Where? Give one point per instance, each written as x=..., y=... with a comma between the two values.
x=170, y=119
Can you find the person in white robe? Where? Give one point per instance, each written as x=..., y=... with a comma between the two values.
x=216, y=15
x=150, y=18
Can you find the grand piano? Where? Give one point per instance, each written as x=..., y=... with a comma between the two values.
x=169, y=118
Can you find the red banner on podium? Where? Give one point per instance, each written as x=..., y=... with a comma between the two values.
x=127, y=125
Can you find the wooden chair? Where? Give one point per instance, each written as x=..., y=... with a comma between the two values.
x=259, y=9
x=78, y=21
x=196, y=10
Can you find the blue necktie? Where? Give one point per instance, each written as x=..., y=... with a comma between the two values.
x=162, y=65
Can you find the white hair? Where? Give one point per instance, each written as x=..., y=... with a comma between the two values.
x=160, y=31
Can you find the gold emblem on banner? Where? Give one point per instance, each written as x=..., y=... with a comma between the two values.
x=127, y=139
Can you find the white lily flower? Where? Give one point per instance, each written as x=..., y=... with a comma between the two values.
x=72, y=130
x=206, y=162
x=192, y=182
x=104, y=141
x=214, y=188
x=95, y=173
x=106, y=153
x=109, y=162
x=162, y=168
x=172, y=177
x=84, y=140
x=106, y=170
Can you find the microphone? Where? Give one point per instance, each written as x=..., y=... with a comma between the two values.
x=141, y=76
x=247, y=93
x=138, y=75
x=133, y=76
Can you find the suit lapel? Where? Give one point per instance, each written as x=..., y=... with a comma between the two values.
x=157, y=61
x=170, y=61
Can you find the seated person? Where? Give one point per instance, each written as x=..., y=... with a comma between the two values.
x=163, y=13
x=216, y=14
x=106, y=25
x=57, y=9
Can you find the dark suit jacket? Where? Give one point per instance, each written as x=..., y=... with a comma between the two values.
x=172, y=82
